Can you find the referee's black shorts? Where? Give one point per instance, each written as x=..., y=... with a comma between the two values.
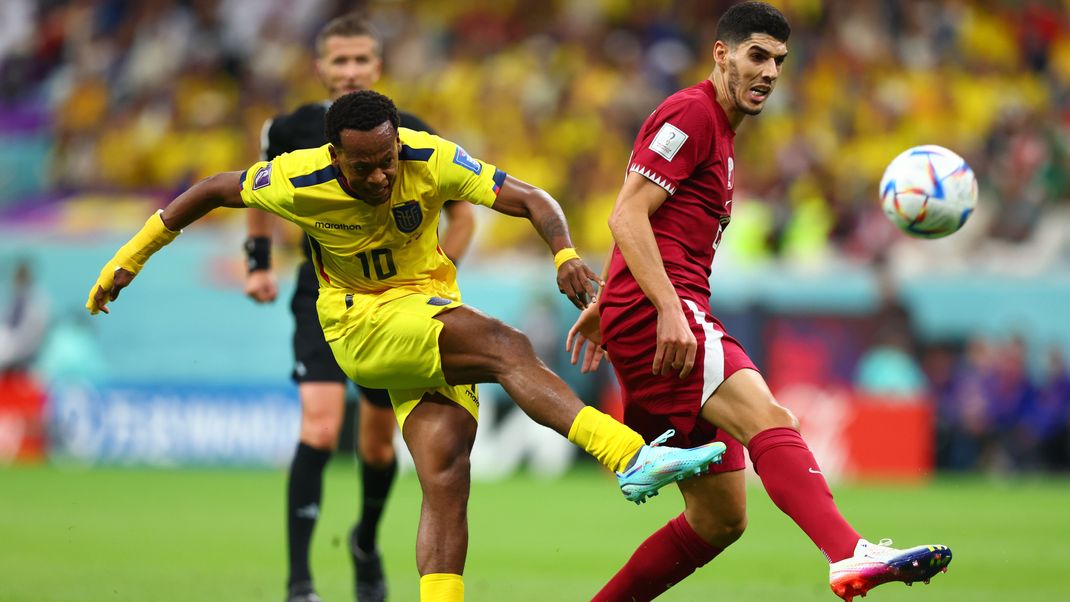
x=313, y=359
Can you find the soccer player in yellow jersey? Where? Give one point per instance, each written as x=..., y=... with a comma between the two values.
x=348, y=58
x=391, y=311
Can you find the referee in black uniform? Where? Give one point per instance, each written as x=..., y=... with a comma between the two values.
x=348, y=59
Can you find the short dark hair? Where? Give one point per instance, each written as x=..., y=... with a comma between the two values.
x=748, y=18
x=348, y=26
x=364, y=111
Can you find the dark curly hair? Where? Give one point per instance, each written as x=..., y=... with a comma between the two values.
x=363, y=111
x=748, y=18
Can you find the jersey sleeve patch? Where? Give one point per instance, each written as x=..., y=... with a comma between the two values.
x=262, y=178
x=464, y=160
x=668, y=141
x=653, y=177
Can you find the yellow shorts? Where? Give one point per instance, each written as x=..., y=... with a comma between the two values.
x=391, y=342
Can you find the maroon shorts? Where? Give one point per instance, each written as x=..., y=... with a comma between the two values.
x=654, y=404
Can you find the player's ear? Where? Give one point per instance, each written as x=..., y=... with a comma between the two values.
x=334, y=154
x=720, y=52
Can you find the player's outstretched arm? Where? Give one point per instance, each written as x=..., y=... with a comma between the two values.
x=460, y=226
x=639, y=198
x=220, y=190
x=520, y=199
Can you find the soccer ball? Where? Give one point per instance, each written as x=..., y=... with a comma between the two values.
x=928, y=191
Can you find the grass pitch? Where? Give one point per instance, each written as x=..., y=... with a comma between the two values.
x=132, y=534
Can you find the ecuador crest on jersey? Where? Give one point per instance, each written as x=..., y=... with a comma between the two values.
x=408, y=216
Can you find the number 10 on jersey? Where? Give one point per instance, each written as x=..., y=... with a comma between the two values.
x=381, y=261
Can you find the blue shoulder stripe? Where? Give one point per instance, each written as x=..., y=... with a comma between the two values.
x=409, y=153
x=317, y=177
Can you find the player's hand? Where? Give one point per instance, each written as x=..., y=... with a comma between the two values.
x=576, y=281
x=260, y=286
x=112, y=280
x=676, y=344
x=584, y=336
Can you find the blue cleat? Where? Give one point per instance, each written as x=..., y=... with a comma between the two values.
x=655, y=467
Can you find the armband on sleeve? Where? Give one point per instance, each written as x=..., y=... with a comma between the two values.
x=257, y=253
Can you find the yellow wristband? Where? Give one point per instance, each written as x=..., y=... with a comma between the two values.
x=132, y=256
x=566, y=254
x=152, y=237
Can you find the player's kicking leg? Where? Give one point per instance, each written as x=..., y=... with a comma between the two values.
x=378, y=467
x=744, y=407
x=322, y=407
x=477, y=348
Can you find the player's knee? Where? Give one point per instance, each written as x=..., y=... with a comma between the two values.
x=732, y=528
x=787, y=417
x=321, y=440
x=447, y=480
x=779, y=416
x=510, y=345
x=320, y=431
x=720, y=528
x=378, y=454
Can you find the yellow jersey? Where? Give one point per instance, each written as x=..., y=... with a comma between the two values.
x=361, y=251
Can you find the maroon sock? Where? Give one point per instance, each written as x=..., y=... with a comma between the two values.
x=663, y=560
x=795, y=484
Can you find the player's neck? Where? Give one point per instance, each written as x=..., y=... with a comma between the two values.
x=720, y=86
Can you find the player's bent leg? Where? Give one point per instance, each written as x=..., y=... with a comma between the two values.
x=745, y=408
x=439, y=434
x=476, y=348
x=715, y=515
x=378, y=467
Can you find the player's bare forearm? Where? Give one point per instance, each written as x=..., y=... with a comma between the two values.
x=220, y=190
x=520, y=199
x=460, y=226
x=630, y=225
x=259, y=223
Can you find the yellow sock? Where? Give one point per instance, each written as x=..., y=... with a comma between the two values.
x=441, y=587
x=609, y=441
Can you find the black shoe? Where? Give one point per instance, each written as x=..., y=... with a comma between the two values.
x=369, y=582
x=302, y=591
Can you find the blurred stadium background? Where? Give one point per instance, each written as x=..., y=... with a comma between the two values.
x=931, y=376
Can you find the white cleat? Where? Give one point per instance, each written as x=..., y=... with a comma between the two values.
x=874, y=564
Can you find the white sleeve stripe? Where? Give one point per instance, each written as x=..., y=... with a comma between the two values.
x=653, y=177
x=264, y=139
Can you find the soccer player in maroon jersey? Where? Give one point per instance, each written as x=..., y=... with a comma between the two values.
x=677, y=366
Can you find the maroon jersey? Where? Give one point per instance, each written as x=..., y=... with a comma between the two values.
x=685, y=146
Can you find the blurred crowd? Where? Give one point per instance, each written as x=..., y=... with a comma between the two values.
x=994, y=413
x=151, y=94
